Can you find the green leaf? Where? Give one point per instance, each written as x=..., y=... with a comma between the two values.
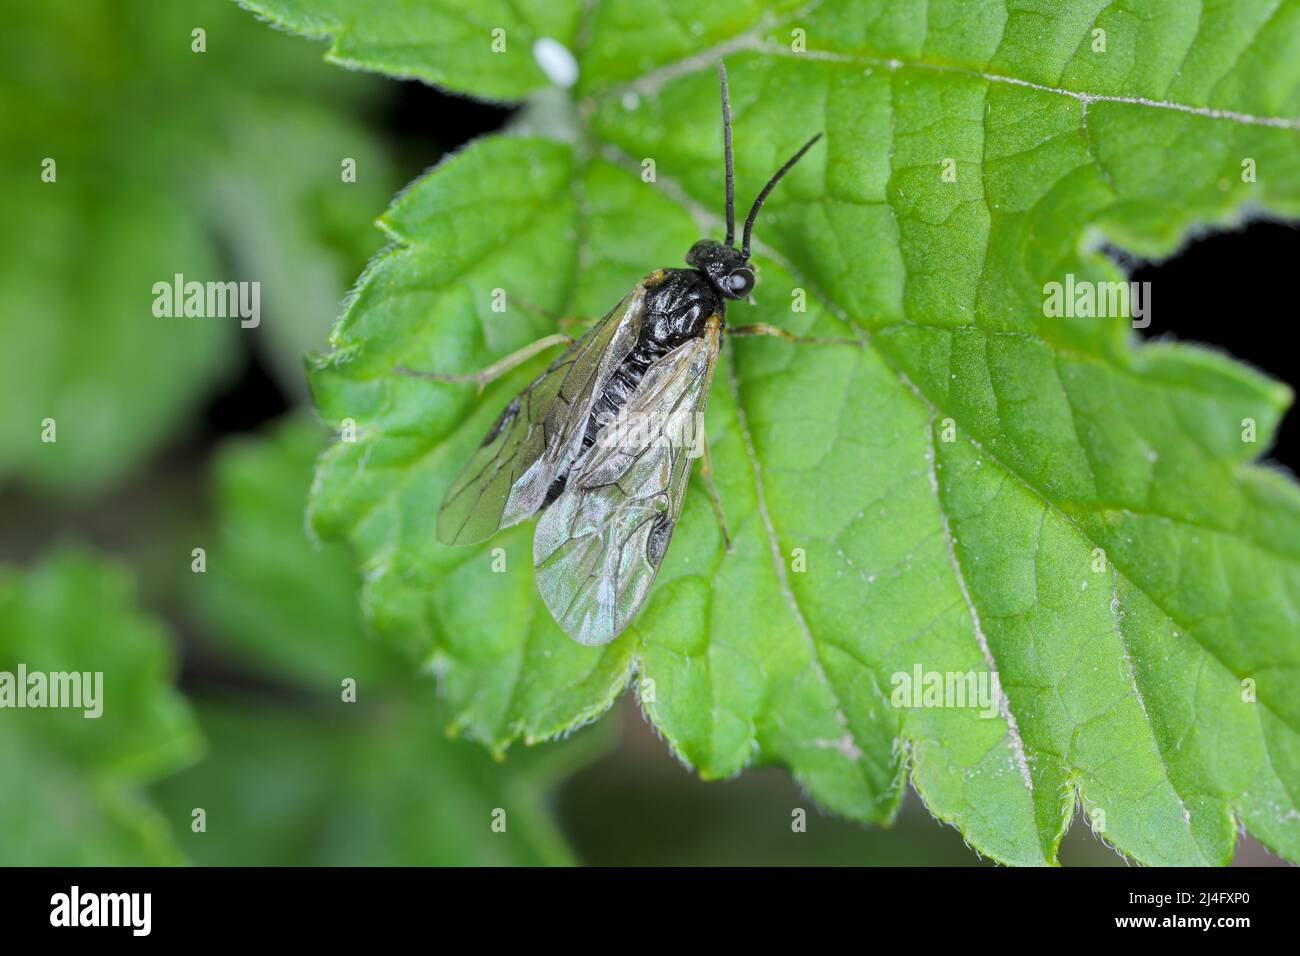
x=156, y=152
x=1096, y=531
x=72, y=783
x=485, y=48
x=306, y=778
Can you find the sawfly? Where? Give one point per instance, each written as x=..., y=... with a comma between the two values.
x=601, y=443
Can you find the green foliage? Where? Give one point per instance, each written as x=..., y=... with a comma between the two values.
x=278, y=603
x=167, y=161
x=72, y=784
x=438, y=42
x=299, y=776
x=1096, y=530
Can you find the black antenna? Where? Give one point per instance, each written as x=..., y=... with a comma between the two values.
x=771, y=184
x=726, y=149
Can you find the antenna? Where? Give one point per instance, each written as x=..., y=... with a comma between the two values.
x=771, y=184
x=726, y=150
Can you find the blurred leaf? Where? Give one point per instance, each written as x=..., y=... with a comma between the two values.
x=298, y=787
x=288, y=220
x=979, y=488
x=158, y=174
x=71, y=783
x=283, y=604
x=310, y=779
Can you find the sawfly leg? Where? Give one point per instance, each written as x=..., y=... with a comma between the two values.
x=497, y=368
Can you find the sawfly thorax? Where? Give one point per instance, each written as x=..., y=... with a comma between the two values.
x=678, y=307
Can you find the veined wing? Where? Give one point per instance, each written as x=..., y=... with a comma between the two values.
x=539, y=433
x=599, y=545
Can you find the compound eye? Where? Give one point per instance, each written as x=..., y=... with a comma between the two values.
x=740, y=283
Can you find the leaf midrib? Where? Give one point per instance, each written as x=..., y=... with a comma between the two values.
x=783, y=581
x=650, y=82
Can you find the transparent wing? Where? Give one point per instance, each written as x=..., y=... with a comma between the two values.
x=599, y=545
x=539, y=433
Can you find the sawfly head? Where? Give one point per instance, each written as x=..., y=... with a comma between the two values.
x=726, y=267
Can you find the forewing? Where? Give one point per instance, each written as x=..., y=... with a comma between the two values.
x=599, y=545
x=539, y=432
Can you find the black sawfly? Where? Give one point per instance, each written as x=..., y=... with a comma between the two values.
x=601, y=443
